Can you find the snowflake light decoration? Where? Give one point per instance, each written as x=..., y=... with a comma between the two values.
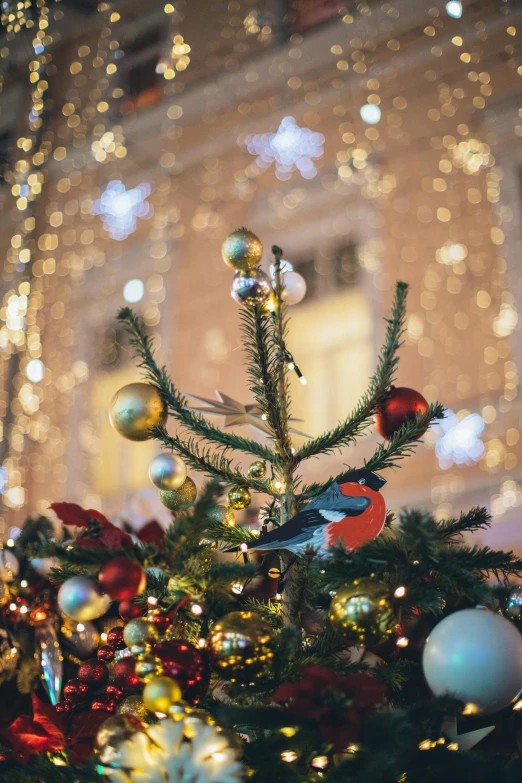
x=291, y=148
x=458, y=440
x=120, y=208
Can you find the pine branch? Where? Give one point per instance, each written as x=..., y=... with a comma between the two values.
x=475, y=519
x=213, y=463
x=262, y=365
x=379, y=385
x=405, y=440
x=175, y=401
x=271, y=611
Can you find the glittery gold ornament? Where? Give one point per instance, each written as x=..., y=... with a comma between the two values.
x=178, y=499
x=241, y=647
x=223, y=515
x=239, y=498
x=134, y=707
x=111, y=734
x=167, y=471
x=135, y=409
x=257, y=469
x=362, y=610
x=148, y=667
x=140, y=649
x=242, y=250
x=160, y=693
x=140, y=631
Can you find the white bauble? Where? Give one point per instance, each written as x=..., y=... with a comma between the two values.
x=9, y=566
x=43, y=565
x=294, y=288
x=81, y=599
x=475, y=655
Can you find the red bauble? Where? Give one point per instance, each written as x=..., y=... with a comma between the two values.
x=401, y=405
x=185, y=664
x=106, y=703
x=63, y=706
x=128, y=610
x=115, y=638
x=122, y=578
x=75, y=690
x=93, y=672
x=115, y=692
x=124, y=673
x=161, y=620
x=105, y=654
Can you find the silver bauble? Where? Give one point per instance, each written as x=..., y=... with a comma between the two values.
x=9, y=566
x=251, y=288
x=82, y=599
x=82, y=638
x=513, y=608
x=167, y=471
x=476, y=656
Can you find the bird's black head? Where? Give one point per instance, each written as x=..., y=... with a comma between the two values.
x=363, y=476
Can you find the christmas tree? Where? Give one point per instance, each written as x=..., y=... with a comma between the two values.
x=339, y=641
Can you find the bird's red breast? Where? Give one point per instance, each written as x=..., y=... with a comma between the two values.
x=356, y=531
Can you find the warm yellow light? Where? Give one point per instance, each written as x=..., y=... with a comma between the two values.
x=288, y=755
x=400, y=592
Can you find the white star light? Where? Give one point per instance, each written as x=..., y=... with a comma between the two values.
x=291, y=148
x=120, y=208
x=458, y=441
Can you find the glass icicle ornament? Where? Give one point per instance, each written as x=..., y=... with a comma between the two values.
x=49, y=655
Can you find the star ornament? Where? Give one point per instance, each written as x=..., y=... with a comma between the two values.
x=236, y=414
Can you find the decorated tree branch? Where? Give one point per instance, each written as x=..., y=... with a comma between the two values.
x=329, y=638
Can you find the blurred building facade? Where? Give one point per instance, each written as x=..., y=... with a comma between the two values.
x=373, y=142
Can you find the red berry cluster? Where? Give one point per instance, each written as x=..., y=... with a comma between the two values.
x=85, y=690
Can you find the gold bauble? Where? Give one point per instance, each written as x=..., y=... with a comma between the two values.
x=239, y=497
x=135, y=409
x=134, y=707
x=242, y=250
x=148, y=667
x=167, y=471
x=112, y=732
x=160, y=693
x=178, y=499
x=257, y=469
x=140, y=631
x=224, y=515
x=362, y=610
x=241, y=647
x=140, y=649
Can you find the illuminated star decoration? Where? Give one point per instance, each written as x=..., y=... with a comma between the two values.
x=236, y=413
x=458, y=440
x=291, y=148
x=120, y=208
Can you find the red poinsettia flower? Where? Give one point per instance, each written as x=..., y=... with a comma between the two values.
x=44, y=732
x=339, y=703
x=47, y=731
x=152, y=533
x=107, y=535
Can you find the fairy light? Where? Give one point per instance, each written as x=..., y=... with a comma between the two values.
x=320, y=762
x=402, y=641
x=289, y=756
x=80, y=627
x=400, y=592
x=454, y=9
x=196, y=609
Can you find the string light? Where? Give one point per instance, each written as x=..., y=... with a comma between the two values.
x=454, y=9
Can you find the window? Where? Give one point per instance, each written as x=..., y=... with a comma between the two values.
x=140, y=82
x=305, y=14
x=331, y=272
